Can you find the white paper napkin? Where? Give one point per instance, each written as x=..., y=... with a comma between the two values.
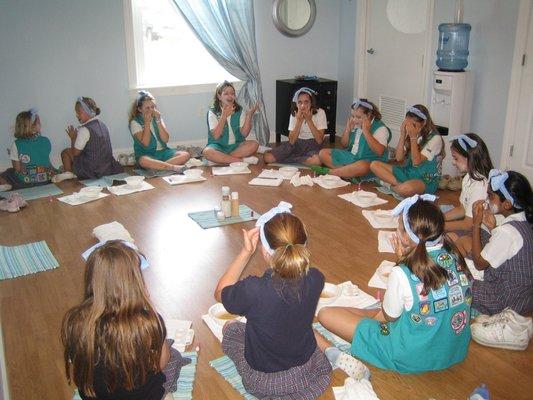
x=181, y=332
x=127, y=189
x=319, y=180
x=351, y=296
x=112, y=231
x=355, y=390
x=75, y=199
x=298, y=180
x=229, y=171
x=181, y=179
x=377, y=223
x=384, y=244
x=266, y=182
x=354, y=199
x=274, y=174
x=194, y=162
x=213, y=326
x=381, y=275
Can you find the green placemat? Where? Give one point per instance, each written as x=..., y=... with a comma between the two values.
x=25, y=259
x=105, y=181
x=226, y=368
x=208, y=219
x=36, y=192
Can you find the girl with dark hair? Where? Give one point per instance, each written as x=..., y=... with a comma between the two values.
x=421, y=149
x=424, y=321
x=471, y=157
x=365, y=139
x=506, y=254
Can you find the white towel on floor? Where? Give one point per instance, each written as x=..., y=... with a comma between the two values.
x=354, y=199
x=389, y=222
x=381, y=275
x=228, y=171
x=351, y=296
x=384, y=241
x=298, y=180
x=75, y=199
x=112, y=231
x=194, y=162
x=181, y=332
x=127, y=189
x=266, y=182
x=321, y=181
x=355, y=390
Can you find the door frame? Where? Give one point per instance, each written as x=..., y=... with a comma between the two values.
x=511, y=116
x=361, y=54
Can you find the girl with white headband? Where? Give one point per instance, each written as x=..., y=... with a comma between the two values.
x=421, y=150
x=29, y=153
x=276, y=352
x=506, y=254
x=424, y=323
x=90, y=154
x=471, y=157
x=150, y=136
x=228, y=127
x=307, y=125
x=365, y=139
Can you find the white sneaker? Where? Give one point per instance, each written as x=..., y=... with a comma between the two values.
x=5, y=188
x=63, y=177
x=384, y=184
x=251, y=160
x=503, y=335
x=509, y=316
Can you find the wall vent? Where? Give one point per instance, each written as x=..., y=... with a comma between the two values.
x=392, y=111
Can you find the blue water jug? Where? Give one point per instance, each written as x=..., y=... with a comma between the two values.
x=452, y=53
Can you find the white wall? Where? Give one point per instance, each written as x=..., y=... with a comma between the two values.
x=56, y=50
x=491, y=52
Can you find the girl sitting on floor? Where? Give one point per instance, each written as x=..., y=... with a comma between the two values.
x=365, y=139
x=424, y=323
x=150, y=137
x=421, y=149
x=276, y=351
x=114, y=339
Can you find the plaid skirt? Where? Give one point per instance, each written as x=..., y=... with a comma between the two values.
x=173, y=368
x=307, y=381
x=298, y=152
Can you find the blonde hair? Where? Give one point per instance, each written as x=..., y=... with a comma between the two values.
x=134, y=108
x=23, y=125
x=287, y=236
x=427, y=223
x=115, y=325
x=90, y=103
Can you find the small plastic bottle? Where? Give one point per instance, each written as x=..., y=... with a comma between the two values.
x=225, y=203
x=235, y=204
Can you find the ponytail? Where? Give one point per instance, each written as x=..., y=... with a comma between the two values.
x=520, y=189
x=291, y=261
x=422, y=265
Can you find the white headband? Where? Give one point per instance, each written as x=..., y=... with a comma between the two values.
x=282, y=207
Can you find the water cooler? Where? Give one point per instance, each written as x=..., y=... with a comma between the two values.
x=451, y=106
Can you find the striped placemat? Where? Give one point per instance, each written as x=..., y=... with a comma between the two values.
x=299, y=166
x=208, y=219
x=226, y=368
x=105, y=181
x=36, y=192
x=185, y=380
x=25, y=259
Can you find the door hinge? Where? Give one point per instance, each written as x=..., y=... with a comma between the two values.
x=511, y=149
x=523, y=59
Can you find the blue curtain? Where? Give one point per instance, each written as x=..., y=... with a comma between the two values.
x=227, y=30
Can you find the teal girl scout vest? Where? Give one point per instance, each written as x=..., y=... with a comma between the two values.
x=142, y=150
x=34, y=156
x=224, y=138
x=364, y=152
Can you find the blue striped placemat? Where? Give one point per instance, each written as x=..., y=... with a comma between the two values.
x=208, y=219
x=185, y=380
x=226, y=368
x=105, y=181
x=25, y=259
x=36, y=192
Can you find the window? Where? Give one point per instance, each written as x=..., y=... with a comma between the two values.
x=162, y=49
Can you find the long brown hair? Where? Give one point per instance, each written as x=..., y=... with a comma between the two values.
x=478, y=158
x=427, y=223
x=115, y=326
x=216, y=102
x=428, y=127
x=134, y=108
x=314, y=106
x=374, y=113
x=287, y=236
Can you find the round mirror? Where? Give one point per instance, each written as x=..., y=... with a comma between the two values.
x=407, y=16
x=294, y=17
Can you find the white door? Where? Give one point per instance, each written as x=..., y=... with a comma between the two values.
x=521, y=150
x=396, y=42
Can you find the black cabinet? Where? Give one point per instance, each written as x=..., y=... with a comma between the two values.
x=326, y=99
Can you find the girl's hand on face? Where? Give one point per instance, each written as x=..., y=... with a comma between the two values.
x=228, y=109
x=488, y=217
x=397, y=245
x=251, y=238
x=147, y=117
x=350, y=123
x=300, y=115
x=254, y=109
x=307, y=115
x=403, y=130
x=478, y=208
x=365, y=126
x=412, y=130
x=156, y=114
x=71, y=132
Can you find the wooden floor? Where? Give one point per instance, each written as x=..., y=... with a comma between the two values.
x=186, y=263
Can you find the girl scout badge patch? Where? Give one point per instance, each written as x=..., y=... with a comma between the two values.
x=445, y=260
x=384, y=329
x=458, y=321
x=456, y=296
